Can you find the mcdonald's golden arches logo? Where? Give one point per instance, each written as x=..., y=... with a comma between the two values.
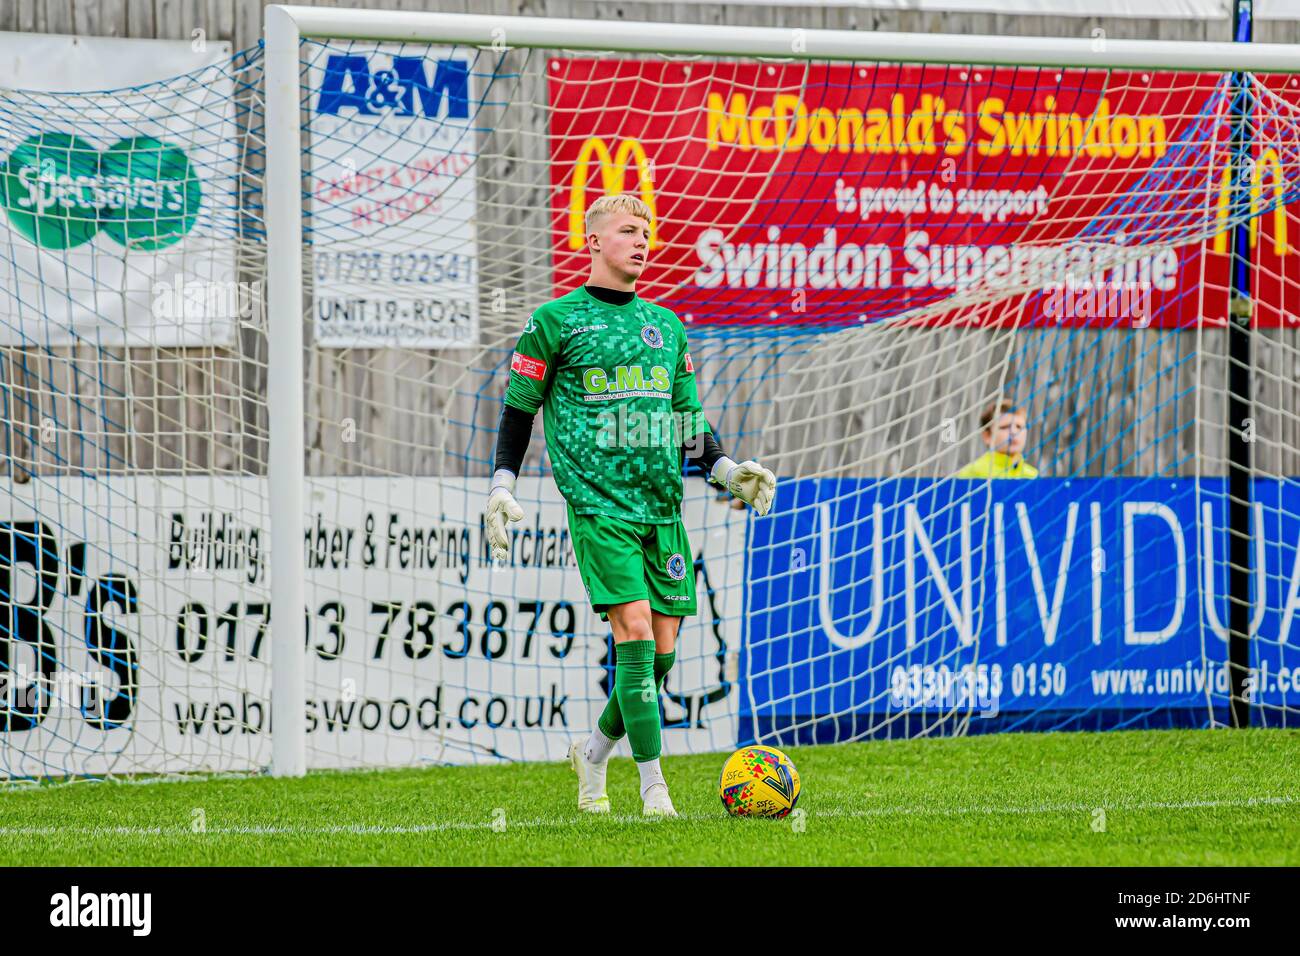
x=1267, y=163
x=629, y=154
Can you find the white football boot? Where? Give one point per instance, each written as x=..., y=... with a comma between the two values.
x=591, y=780
x=657, y=802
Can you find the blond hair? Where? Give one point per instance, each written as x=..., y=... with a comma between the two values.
x=608, y=205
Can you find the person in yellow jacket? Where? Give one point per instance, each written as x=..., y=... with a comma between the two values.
x=1004, y=429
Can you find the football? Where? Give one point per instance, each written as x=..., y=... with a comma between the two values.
x=759, y=782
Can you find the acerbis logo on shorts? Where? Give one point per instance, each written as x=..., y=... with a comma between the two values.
x=651, y=337
x=676, y=567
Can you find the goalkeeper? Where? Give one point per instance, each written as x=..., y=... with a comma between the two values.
x=618, y=387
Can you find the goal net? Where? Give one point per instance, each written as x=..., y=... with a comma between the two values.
x=870, y=243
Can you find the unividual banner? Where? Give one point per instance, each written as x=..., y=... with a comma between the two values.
x=117, y=208
x=842, y=193
x=1056, y=602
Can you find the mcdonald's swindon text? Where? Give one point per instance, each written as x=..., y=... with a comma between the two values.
x=841, y=193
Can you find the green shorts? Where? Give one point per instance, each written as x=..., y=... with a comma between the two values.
x=623, y=561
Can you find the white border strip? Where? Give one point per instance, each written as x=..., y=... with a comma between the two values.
x=792, y=44
x=1126, y=9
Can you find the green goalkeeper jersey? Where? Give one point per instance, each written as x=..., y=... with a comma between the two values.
x=618, y=390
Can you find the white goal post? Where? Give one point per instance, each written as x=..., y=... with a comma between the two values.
x=288, y=26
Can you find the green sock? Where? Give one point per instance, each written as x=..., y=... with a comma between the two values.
x=663, y=664
x=610, y=721
x=634, y=685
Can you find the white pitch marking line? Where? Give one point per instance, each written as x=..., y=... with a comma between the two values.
x=379, y=830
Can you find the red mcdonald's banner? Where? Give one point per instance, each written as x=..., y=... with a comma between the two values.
x=841, y=193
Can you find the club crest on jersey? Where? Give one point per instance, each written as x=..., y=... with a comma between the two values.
x=651, y=337
x=676, y=567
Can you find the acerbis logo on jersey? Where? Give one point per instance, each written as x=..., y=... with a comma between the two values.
x=530, y=325
x=676, y=567
x=528, y=367
x=651, y=337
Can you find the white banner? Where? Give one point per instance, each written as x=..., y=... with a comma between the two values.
x=394, y=249
x=1132, y=9
x=117, y=208
x=1277, y=9
x=143, y=646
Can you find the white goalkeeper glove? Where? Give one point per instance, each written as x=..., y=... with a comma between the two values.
x=749, y=481
x=502, y=509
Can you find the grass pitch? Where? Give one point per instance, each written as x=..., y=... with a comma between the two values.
x=1121, y=798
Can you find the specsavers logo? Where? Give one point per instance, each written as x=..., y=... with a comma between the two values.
x=613, y=171
x=58, y=190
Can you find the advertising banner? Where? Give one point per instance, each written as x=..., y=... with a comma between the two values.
x=142, y=637
x=816, y=194
x=392, y=225
x=142, y=623
x=117, y=208
x=1047, y=603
